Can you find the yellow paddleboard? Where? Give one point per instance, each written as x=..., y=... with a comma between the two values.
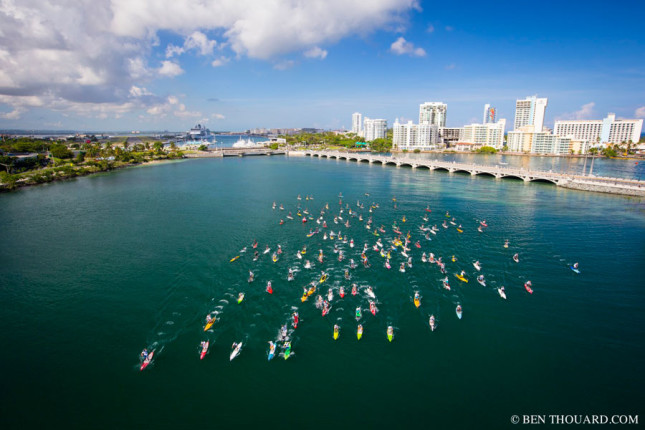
x=461, y=278
x=234, y=258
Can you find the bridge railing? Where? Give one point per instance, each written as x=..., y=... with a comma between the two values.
x=521, y=172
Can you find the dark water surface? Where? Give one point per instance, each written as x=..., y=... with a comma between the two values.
x=96, y=269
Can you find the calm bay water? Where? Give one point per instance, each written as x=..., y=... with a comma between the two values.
x=96, y=269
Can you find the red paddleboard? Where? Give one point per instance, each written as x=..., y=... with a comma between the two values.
x=147, y=361
x=528, y=289
x=204, y=351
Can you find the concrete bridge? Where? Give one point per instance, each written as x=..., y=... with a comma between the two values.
x=586, y=183
x=233, y=152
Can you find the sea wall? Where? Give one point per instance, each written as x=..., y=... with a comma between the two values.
x=203, y=154
x=606, y=187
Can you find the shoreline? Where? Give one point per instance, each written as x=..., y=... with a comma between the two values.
x=66, y=172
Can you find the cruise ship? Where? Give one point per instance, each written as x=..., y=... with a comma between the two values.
x=200, y=133
x=198, y=136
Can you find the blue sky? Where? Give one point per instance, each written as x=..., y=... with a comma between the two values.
x=240, y=64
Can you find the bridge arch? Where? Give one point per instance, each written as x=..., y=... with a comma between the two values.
x=458, y=170
x=485, y=174
x=512, y=177
x=544, y=180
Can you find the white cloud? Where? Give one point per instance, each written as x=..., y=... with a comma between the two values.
x=430, y=29
x=218, y=116
x=640, y=112
x=450, y=66
x=172, y=105
x=403, y=47
x=200, y=42
x=284, y=65
x=220, y=61
x=197, y=41
x=250, y=26
x=14, y=114
x=71, y=54
x=183, y=113
x=585, y=112
x=172, y=50
x=316, y=52
x=138, y=92
x=449, y=28
x=170, y=69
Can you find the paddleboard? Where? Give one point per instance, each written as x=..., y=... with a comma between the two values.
x=204, y=350
x=147, y=361
x=236, y=351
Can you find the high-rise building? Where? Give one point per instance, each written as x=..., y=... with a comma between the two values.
x=530, y=111
x=414, y=136
x=607, y=130
x=374, y=129
x=357, y=126
x=489, y=114
x=484, y=134
x=433, y=113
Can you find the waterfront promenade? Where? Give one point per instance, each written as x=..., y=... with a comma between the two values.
x=578, y=182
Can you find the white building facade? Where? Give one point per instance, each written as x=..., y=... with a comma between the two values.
x=527, y=141
x=484, y=134
x=433, y=113
x=374, y=129
x=357, y=124
x=607, y=130
x=414, y=136
x=530, y=111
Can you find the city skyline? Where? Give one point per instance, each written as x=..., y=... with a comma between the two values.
x=236, y=65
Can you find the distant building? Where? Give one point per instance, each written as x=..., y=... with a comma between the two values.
x=450, y=135
x=489, y=114
x=374, y=129
x=414, y=136
x=530, y=111
x=357, y=126
x=528, y=141
x=607, y=130
x=484, y=134
x=433, y=113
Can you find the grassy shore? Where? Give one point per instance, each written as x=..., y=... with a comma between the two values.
x=70, y=170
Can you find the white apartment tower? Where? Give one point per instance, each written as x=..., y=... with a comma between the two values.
x=485, y=134
x=414, y=136
x=357, y=126
x=433, y=113
x=374, y=129
x=607, y=130
x=489, y=114
x=530, y=111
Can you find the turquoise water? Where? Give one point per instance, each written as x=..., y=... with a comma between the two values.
x=96, y=269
